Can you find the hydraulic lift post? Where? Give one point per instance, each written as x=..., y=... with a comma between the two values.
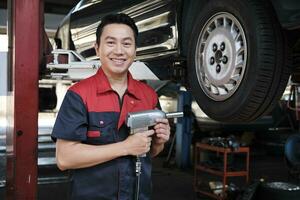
x=183, y=130
x=22, y=136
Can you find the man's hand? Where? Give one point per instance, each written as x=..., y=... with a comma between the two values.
x=138, y=143
x=162, y=131
x=161, y=136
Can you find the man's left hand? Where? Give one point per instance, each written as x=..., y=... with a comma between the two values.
x=162, y=131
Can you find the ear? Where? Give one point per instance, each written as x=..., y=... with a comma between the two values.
x=96, y=46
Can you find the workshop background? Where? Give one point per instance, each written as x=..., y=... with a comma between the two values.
x=204, y=159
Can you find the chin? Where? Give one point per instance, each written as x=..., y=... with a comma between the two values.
x=120, y=70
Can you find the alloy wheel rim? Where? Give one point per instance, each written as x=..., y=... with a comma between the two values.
x=221, y=56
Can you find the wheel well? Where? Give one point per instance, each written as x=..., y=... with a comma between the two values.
x=287, y=13
x=190, y=9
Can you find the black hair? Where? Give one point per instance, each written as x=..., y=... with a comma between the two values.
x=119, y=18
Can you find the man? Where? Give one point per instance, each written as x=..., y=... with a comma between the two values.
x=92, y=138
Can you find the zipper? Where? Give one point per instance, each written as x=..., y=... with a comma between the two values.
x=116, y=138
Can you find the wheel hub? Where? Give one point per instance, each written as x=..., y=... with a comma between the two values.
x=219, y=56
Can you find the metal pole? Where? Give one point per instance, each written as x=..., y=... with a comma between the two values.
x=22, y=137
x=10, y=44
x=183, y=130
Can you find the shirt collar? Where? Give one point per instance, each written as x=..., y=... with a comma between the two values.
x=103, y=84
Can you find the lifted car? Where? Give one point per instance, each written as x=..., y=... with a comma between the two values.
x=235, y=55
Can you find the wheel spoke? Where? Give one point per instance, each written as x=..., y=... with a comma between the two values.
x=235, y=77
x=239, y=65
x=227, y=24
x=232, y=30
x=222, y=91
x=240, y=51
x=206, y=82
x=214, y=89
x=229, y=87
x=209, y=29
x=216, y=23
x=237, y=36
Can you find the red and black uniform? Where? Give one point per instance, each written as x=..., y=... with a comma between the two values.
x=93, y=113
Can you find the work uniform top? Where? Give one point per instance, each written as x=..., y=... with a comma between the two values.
x=93, y=113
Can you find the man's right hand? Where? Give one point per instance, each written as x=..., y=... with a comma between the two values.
x=138, y=143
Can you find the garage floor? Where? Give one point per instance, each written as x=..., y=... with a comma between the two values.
x=172, y=183
x=178, y=185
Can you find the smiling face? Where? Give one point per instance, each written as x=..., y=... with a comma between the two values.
x=116, y=49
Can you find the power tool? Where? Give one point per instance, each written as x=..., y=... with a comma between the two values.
x=139, y=122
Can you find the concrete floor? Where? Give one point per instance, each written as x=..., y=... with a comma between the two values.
x=175, y=184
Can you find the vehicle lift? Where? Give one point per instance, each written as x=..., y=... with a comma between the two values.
x=26, y=45
x=184, y=130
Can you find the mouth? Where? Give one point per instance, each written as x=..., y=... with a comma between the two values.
x=118, y=61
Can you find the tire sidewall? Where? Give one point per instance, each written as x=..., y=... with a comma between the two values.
x=267, y=192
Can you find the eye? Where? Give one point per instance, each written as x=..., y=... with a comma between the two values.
x=110, y=43
x=127, y=44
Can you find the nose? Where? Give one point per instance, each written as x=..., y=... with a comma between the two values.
x=118, y=49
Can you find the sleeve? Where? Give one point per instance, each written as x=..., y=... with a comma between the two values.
x=71, y=122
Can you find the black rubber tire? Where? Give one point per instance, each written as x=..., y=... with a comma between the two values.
x=267, y=70
x=266, y=191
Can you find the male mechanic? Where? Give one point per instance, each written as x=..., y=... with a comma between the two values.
x=91, y=136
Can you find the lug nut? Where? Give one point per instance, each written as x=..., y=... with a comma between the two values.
x=222, y=47
x=212, y=60
x=224, y=59
x=215, y=47
x=218, y=68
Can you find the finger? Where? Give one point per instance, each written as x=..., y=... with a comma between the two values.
x=148, y=149
x=163, y=137
x=158, y=126
x=165, y=133
x=162, y=131
x=148, y=133
x=162, y=120
x=163, y=126
x=159, y=131
x=147, y=145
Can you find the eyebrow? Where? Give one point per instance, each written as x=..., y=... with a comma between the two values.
x=113, y=38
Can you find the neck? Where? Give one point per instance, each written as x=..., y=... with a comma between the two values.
x=118, y=83
x=117, y=80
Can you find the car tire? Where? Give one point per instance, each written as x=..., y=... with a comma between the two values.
x=278, y=191
x=238, y=61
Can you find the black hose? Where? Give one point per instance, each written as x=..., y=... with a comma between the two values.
x=138, y=166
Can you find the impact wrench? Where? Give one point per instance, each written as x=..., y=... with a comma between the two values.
x=139, y=122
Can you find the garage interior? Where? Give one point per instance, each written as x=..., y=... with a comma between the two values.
x=261, y=157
